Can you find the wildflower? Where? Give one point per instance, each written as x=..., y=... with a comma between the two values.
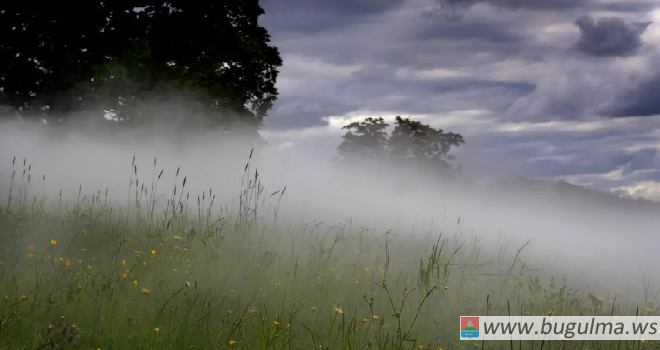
x=187, y=284
x=229, y=312
x=420, y=346
x=144, y=263
x=135, y=282
x=156, y=329
x=123, y=263
x=275, y=323
x=89, y=267
x=153, y=252
x=364, y=320
x=84, y=232
x=439, y=348
x=146, y=291
x=253, y=310
x=124, y=275
x=174, y=270
x=185, y=250
x=30, y=255
x=339, y=310
x=366, y=270
x=642, y=340
x=61, y=259
x=53, y=242
x=232, y=342
x=375, y=317
x=314, y=308
x=23, y=296
x=357, y=281
x=446, y=287
x=648, y=309
x=67, y=263
x=83, y=250
x=177, y=237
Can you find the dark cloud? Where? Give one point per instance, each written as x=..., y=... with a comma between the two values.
x=455, y=9
x=316, y=16
x=609, y=37
x=641, y=101
x=624, y=6
x=344, y=7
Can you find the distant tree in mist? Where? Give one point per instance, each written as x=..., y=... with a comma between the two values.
x=365, y=140
x=411, y=147
x=58, y=59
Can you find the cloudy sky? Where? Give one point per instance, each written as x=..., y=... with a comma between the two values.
x=561, y=89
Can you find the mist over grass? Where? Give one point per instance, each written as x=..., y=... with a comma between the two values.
x=271, y=256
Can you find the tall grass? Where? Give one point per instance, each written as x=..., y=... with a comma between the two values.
x=183, y=273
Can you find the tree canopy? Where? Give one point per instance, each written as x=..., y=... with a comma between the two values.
x=58, y=60
x=411, y=145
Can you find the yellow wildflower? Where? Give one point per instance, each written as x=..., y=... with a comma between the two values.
x=53, y=242
x=123, y=263
x=146, y=291
x=30, y=255
x=232, y=342
x=339, y=310
x=153, y=252
x=275, y=323
x=156, y=329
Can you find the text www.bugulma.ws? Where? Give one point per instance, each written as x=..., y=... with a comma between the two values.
x=570, y=329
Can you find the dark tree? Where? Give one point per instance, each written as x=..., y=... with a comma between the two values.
x=419, y=143
x=364, y=140
x=57, y=59
x=412, y=146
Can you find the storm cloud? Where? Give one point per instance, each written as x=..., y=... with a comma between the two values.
x=609, y=37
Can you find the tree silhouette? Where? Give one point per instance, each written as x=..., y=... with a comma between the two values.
x=412, y=146
x=428, y=147
x=365, y=140
x=121, y=55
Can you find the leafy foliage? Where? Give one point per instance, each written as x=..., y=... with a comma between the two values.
x=411, y=143
x=123, y=55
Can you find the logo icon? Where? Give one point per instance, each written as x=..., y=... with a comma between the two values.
x=469, y=327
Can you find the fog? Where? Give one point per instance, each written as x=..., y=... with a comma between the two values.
x=612, y=248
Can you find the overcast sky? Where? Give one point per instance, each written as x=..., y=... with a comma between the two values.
x=561, y=89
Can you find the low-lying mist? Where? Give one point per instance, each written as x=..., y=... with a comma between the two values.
x=609, y=248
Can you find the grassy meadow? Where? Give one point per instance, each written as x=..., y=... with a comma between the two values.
x=184, y=273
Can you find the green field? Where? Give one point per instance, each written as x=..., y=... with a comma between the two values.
x=92, y=274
